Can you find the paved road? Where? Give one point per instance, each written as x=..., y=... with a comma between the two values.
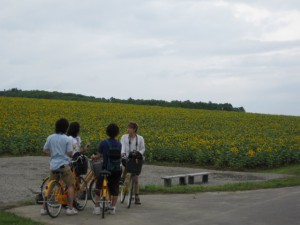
x=260, y=207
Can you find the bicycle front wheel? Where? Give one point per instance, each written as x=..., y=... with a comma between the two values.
x=53, y=203
x=81, y=195
x=123, y=191
x=92, y=189
x=130, y=193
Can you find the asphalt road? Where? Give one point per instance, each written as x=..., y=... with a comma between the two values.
x=261, y=207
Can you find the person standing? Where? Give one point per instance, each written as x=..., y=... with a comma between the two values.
x=110, y=150
x=132, y=142
x=59, y=147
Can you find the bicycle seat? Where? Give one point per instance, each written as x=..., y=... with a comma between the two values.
x=58, y=171
x=105, y=173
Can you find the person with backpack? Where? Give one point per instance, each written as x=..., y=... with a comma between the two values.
x=132, y=142
x=110, y=150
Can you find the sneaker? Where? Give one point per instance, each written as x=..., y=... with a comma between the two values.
x=44, y=212
x=122, y=180
x=97, y=211
x=137, y=200
x=76, y=204
x=71, y=211
x=112, y=210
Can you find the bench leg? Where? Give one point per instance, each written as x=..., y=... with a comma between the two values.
x=168, y=182
x=191, y=180
x=182, y=181
x=205, y=178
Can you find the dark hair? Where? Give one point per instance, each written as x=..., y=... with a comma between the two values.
x=112, y=130
x=74, y=129
x=61, y=126
x=134, y=126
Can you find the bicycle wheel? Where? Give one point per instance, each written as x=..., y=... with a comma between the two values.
x=102, y=203
x=92, y=189
x=43, y=186
x=130, y=193
x=53, y=205
x=81, y=194
x=123, y=192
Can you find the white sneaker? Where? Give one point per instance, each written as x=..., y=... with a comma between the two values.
x=44, y=212
x=112, y=210
x=97, y=210
x=71, y=211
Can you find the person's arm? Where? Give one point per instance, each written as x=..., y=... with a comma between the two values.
x=142, y=145
x=47, y=152
x=123, y=150
x=86, y=147
x=46, y=148
x=69, y=148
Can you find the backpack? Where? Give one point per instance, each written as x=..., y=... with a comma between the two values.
x=114, y=157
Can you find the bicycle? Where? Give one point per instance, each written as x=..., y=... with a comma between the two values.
x=105, y=197
x=55, y=195
x=133, y=165
x=90, y=179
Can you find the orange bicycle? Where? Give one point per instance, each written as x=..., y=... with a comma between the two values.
x=90, y=179
x=56, y=194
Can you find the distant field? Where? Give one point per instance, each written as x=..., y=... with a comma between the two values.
x=211, y=138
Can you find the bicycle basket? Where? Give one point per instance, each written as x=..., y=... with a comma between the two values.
x=134, y=166
x=96, y=167
x=81, y=165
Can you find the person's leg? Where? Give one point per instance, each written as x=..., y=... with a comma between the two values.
x=113, y=185
x=97, y=210
x=70, y=196
x=69, y=181
x=137, y=191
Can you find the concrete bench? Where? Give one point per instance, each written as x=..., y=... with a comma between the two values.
x=168, y=179
x=183, y=177
x=191, y=177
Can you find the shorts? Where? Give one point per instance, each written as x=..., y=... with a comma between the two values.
x=66, y=175
x=112, y=182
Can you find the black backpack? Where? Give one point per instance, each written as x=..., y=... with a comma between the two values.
x=114, y=157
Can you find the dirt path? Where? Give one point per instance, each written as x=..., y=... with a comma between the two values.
x=20, y=175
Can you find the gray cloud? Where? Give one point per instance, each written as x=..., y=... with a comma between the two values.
x=241, y=52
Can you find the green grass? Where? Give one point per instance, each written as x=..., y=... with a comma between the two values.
x=241, y=186
x=7, y=218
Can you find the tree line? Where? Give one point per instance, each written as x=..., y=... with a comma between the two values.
x=15, y=92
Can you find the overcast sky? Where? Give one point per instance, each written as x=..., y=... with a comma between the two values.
x=246, y=53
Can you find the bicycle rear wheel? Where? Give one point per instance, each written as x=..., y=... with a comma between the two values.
x=102, y=203
x=81, y=194
x=43, y=186
x=53, y=205
x=130, y=193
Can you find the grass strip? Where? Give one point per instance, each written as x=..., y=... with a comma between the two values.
x=7, y=218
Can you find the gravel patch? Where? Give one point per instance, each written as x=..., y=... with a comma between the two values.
x=21, y=175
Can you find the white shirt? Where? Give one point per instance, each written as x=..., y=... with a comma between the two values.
x=136, y=143
x=76, y=143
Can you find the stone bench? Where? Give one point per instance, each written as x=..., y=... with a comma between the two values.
x=184, y=177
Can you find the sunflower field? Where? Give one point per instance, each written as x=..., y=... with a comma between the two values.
x=204, y=137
